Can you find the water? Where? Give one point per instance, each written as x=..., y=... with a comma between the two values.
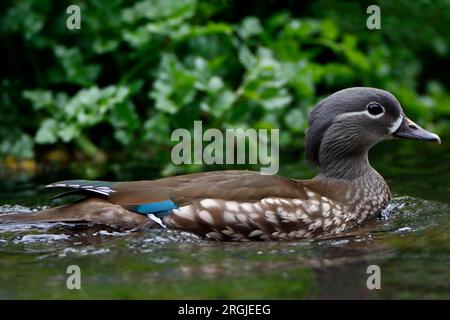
x=410, y=243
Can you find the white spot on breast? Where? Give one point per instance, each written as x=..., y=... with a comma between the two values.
x=254, y=216
x=328, y=223
x=228, y=231
x=255, y=233
x=232, y=206
x=242, y=218
x=300, y=233
x=288, y=217
x=247, y=207
x=315, y=225
x=206, y=216
x=282, y=235
x=257, y=207
x=310, y=194
x=185, y=212
x=337, y=220
x=269, y=201
x=214, y=235
x=229, y=217
x=313, y=208
x=237, y=237
x=270, y=216
x=292, y=234
x=306, y=218
x=209, y=203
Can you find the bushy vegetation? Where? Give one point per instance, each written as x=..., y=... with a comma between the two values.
x=117, y=88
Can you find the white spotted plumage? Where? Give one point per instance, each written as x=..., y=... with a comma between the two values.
x=267, y=218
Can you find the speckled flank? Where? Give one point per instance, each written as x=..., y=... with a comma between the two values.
x=274, y=218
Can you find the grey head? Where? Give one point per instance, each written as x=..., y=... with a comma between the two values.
x=345, y=125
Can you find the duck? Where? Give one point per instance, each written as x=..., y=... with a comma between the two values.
x=239, y=205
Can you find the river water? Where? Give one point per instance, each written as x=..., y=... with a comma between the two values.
x=410, y=244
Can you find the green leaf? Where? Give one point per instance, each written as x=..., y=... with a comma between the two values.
x=123, y=136
x=102, y=45
x=264, y=83
x=219, y=103
x=157, y=129
x=250, y=26
x=276, y=102
x=247, y=58
x=40, y=99
x=174, y=86
x=68, y=132
x=329, y=29
x=295, y=120
x=215, y=84
x=157, y=10
x=124, y=115
x=76, y=70
x=48, y=132
x=19, y=146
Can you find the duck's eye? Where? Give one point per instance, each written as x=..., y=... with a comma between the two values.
x=375, y=109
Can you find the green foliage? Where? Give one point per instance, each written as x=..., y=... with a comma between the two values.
x=69, y=117
x=134, y=72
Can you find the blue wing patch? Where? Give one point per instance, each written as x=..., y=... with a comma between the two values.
x=161, y=208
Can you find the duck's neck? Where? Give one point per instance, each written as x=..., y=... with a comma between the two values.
x=348, y=168
x=354, y=182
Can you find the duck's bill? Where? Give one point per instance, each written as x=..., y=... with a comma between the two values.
x=410, y=130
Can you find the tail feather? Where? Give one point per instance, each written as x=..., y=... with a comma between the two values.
x=103, y=188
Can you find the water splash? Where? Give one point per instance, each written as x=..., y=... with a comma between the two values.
x=33, y=238
x=5, y=209
x=393, y=206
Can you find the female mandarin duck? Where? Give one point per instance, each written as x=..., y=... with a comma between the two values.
x=243, y=205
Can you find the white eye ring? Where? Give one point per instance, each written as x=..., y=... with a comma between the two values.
x=375, y=110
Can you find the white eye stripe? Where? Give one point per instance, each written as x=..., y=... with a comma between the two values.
x=397, y=123
x=357, y=113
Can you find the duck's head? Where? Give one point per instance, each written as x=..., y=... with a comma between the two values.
x=345, y=125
